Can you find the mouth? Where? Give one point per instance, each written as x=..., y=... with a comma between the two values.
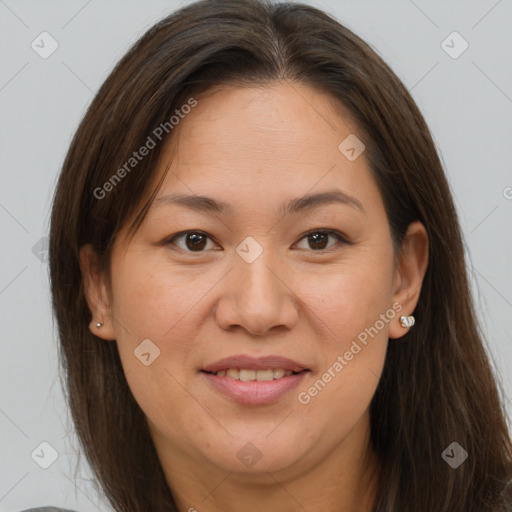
x=254, y=381
x=248, y=375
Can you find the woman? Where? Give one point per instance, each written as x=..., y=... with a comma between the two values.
x=259, y=281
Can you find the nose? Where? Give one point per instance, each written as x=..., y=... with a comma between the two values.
x=257, y=297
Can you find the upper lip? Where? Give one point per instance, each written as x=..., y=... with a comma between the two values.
x=247, y=362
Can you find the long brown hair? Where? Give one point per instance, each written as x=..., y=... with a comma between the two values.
x=437, y=387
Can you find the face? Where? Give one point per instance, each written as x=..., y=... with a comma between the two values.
x=272, y=280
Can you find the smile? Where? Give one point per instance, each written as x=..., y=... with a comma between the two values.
x=245, y=388
x=259, y=375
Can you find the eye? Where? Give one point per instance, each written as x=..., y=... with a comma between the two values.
x=197, y=241
x=194, y=241
x=318, y=239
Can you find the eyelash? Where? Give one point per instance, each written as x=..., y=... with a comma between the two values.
x=341, y=239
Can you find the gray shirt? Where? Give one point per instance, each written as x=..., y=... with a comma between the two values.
x=47, y=509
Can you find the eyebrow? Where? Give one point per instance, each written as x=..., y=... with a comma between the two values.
x=307, y=202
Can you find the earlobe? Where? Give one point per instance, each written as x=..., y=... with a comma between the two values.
x=410, y=272
x=96, y=294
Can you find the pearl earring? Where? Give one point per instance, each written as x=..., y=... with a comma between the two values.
x=407, y=321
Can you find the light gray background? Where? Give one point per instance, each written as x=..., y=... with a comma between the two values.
x=467, y=103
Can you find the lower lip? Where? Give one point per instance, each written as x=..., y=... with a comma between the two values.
x=255, y=392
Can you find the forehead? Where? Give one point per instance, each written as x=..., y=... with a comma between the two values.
x=277, y=121
x=262, y=140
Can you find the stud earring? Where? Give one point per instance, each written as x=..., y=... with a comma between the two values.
x=99, y=324
x=407, y=321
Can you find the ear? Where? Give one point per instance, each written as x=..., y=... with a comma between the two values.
x=409, y=274
x=96, y=294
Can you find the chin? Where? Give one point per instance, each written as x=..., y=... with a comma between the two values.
x=248, y=457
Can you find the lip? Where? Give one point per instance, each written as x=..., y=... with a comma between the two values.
x=244, y=361
x=254, y=392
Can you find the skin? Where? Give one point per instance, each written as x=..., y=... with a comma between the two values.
x=257, y=148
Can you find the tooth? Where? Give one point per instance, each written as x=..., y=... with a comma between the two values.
x=233, y=373
x=252, y=375
x=247, y=375
x=264, y=375
x=278, y=373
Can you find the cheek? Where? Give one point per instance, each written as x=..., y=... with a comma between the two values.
x=154, y=300
x=156, y=322
x=348, y=298
x=352, y=314
x=335, y=398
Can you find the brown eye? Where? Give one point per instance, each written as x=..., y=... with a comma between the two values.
x=197, y=241
x=194, y=241
x=318, y=240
